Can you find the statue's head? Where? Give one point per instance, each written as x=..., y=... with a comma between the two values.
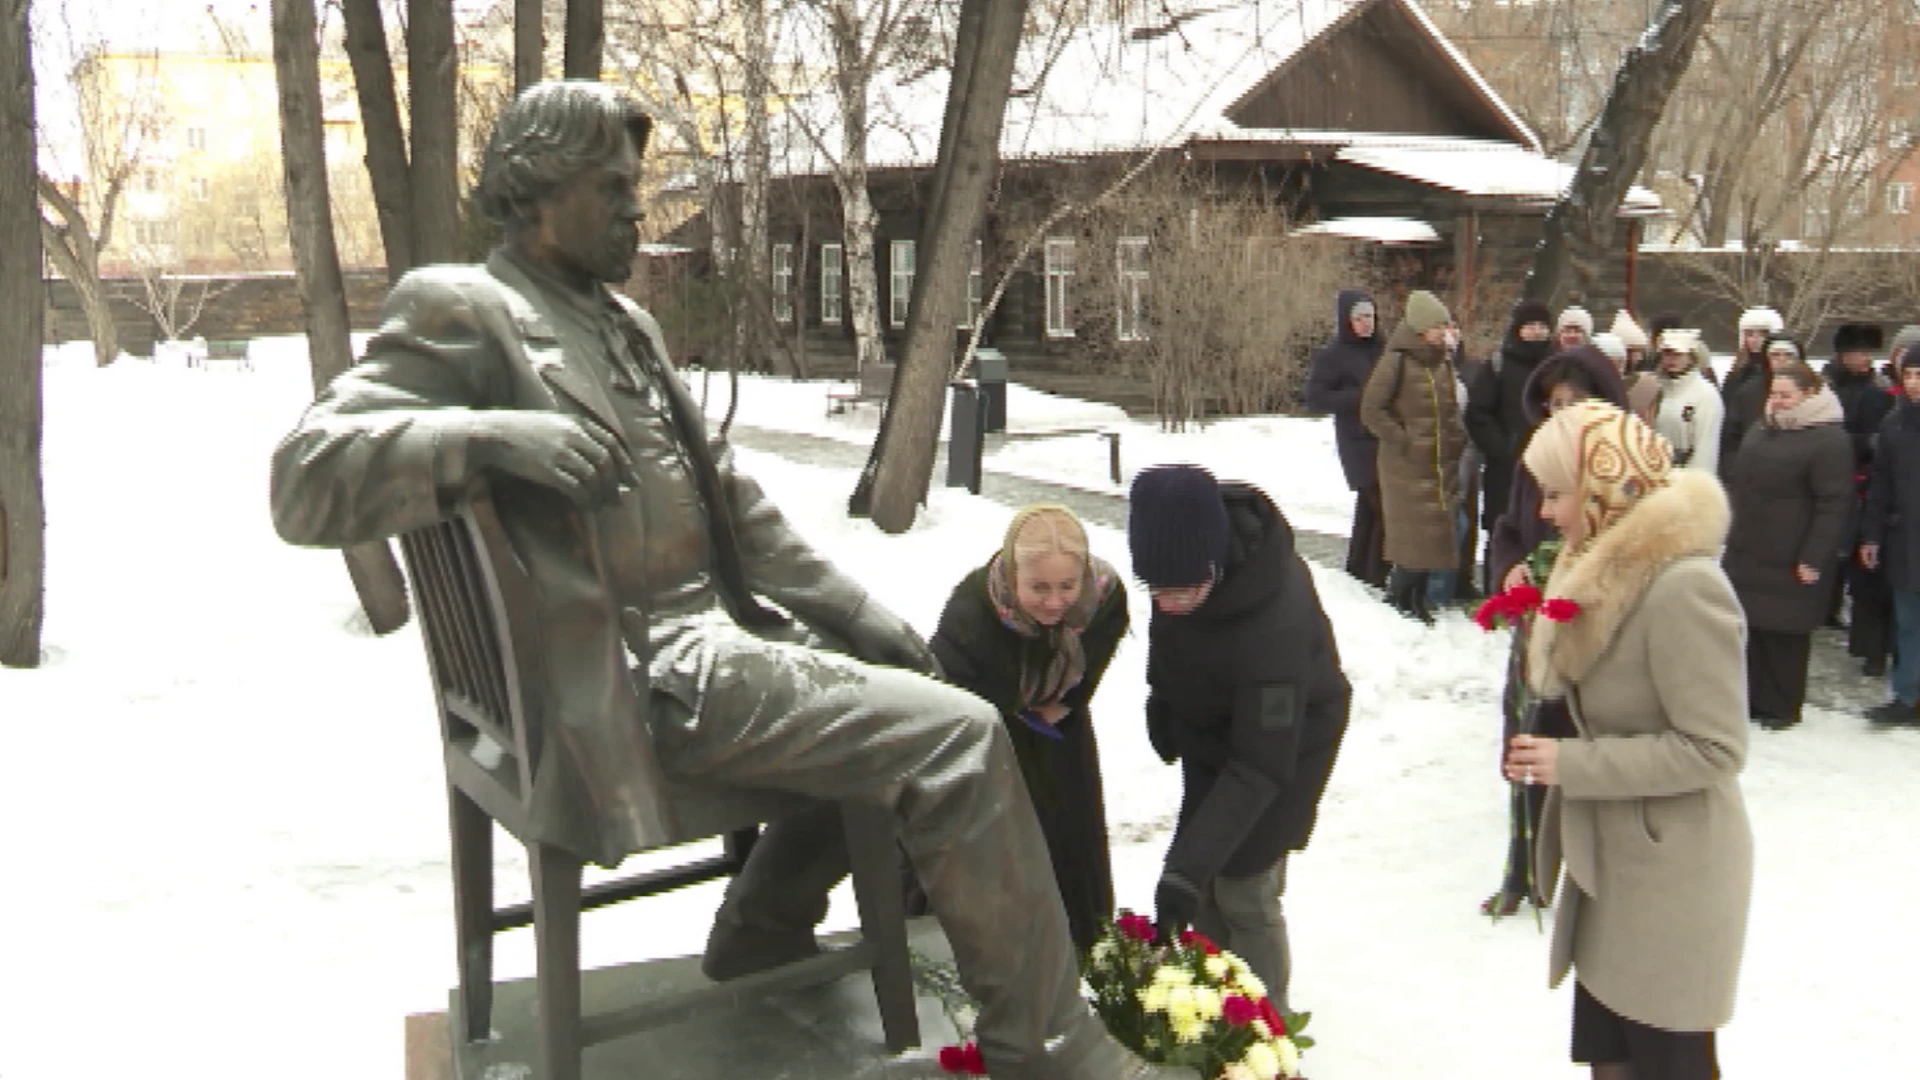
x=560, y=176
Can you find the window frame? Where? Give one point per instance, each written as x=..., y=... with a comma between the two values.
x=899, y=298
x=780, y=271
x=1058, y=275
x=1902, y=205
x=976, y=284
x=833, y=273
x=1130, y=289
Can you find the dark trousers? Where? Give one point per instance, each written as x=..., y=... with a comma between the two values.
x=1367, y=543
x=1777, y=673
x=1870, y=633
x=1604, y=1037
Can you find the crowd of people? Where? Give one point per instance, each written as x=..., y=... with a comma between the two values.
x=1693, y=532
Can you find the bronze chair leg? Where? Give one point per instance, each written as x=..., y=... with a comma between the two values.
x=556, y=929
x=473, y=913
x=876, y=886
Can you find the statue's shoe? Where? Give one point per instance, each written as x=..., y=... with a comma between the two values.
x=735, y=951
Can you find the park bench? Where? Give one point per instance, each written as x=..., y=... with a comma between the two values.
x=479, y=613
x=876, y=382
x=234, y=353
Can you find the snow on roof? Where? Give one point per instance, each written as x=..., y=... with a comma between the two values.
x=1472, y=73
x=1480, y=167
x=1098, y=91
x=1379, y=230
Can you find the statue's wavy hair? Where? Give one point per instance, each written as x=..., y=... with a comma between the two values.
x=551, y=133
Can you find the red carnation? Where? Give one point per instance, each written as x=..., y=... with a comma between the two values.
x=1523, y=597
x=1559, y=609
x=1276, y=1022
x=1239, y=1011
x=1193, y=939
x=963, y=1059
x=1136, y=927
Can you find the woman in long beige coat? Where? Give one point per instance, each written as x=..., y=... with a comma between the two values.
x=1645, y=803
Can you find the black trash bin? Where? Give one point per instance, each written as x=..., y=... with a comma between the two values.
x=990, y=367
x=966, y=428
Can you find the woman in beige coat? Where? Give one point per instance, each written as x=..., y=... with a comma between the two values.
x=1645, y=803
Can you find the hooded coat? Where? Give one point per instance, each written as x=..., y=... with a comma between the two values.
x=1792, y=493
x=1519, y=531
x=1496, y=414
x=1892, y=515
x=1336, y=377
x=1248, y=694
x=1412, y=407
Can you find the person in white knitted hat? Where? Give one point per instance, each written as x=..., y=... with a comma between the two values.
x=1690, y=411
x=1633, y=337
x=1574, y=329
x=1744, y=394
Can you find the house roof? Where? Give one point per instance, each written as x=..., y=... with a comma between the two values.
x=1480, y=168
x=1379, y=230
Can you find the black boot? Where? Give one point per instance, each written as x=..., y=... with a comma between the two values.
x=1401, y=586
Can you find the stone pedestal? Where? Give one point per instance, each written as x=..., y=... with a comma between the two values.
x=829, y=1032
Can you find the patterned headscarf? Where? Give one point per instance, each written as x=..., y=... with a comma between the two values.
x=1067, y=664
x=1607, y=457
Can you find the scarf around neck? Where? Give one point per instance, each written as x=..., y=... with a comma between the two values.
x=1821, y=408
x=1067, y=661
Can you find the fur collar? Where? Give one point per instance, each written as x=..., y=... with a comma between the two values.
x=1689, y=517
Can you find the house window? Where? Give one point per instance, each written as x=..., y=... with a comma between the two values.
x=900, y=256
x=1130, y=279
x=196, y=138
x=199, y=188
x=1058, y=262
x=1906, y=73
x=832, y=283
x=1900, y=197
x=783, y=283
x=975, y=282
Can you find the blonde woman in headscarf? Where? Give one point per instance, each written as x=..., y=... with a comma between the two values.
x=1644, y=802
x=1032, y=632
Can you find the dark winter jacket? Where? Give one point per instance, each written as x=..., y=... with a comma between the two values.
x=1867, y=398
x=1519, y=531
x=979, y=653
x=1892, y=516
x=1337, y=374
x=1792, y=493
x=1247, y=692
x=1496, y=414
x=1745, y=397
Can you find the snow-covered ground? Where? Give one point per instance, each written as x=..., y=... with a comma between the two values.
x=1292, y=458
x=226, y=822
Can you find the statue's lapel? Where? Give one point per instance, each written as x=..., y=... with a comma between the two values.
x=534, y=327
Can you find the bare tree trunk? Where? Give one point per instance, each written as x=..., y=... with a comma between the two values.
x=986, y=44
x=296, y=62
x=755, y=87
x=380, y=119
x=76, y=254
x=529, y=43
x=1580, y=229
x=586, y=39
x=434, y=171
x=23, y=517
x=856, y=204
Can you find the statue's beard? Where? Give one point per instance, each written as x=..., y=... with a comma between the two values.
x=612, y=259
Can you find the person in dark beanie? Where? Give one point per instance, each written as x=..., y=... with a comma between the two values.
x=1337, y=375
x=1244, y=689
x=1496, y=413
x=1412, y=406
x=1890, y=540
x=1866, y=397
x=1575, y=375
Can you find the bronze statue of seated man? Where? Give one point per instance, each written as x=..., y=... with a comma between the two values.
x=528, y=369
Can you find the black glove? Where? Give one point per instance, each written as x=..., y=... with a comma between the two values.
x=575, y=456
x=1176, y=901
x=878, y=636
x=1160, y=729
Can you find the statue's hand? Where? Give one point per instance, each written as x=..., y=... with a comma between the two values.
x=572, y=455
x=878, y=636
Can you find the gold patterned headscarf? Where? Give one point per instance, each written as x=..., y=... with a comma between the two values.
x=1606, y=457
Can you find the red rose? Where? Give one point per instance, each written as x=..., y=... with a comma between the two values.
x=1559, y=609
x=963, y=1059
x=1193, y=939
x=1523, y=597
x=1135, y=927
x=1239, y=1011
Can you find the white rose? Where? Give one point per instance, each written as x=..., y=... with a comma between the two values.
x=1289, y=1056
x=1154, y=998
x=1180, y=1002
x=1261, y=1029
x=1251, y=985
x=1217, y=967
x=1173, y=975
x=1207, y=1001
x=1236, y=1071
x=1188, y=1029
x=1263, y=1061
x=1103, y=950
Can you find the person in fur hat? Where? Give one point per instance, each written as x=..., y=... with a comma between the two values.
x=1639, y=346
x=1575, y=328
x=1644, y=806
x=1791, y=487
x=1744, y=394
x=1496, y=416
x=1866, y=397
x=1690, y=410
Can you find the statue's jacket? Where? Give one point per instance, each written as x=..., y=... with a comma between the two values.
x=384, y=450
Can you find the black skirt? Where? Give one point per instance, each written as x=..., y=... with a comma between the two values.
x=1604, y=1037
